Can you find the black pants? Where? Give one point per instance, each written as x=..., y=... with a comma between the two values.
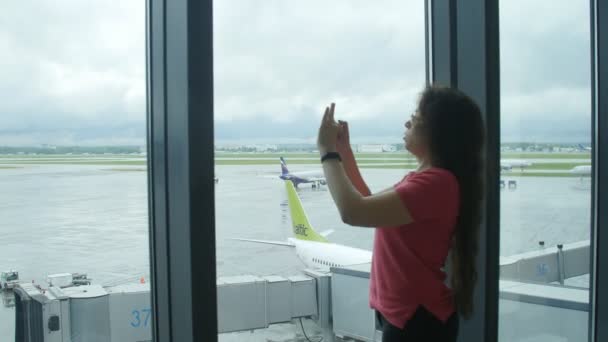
x=422, y=327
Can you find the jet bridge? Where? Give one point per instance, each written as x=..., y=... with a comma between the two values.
x=548, y=265
x=122, y=313
x=528, y=311
x=531, y=303
x=534, y=302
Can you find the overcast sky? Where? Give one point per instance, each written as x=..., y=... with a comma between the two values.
x=72, y=72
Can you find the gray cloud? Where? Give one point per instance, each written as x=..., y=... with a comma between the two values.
x=73, y=72
x=276, y=60
x=545, y=70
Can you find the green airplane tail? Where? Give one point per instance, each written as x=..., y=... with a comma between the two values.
x=301, y=227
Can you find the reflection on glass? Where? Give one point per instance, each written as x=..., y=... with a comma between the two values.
x=545, y=171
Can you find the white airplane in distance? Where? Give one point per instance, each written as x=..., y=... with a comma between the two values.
x=581, y=170
x=509, y=164
x=316, y=177
x=584, y=148
x=313, y=248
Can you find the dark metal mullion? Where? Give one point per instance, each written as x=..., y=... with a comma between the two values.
x=181, y=170
x=177, y=145
x=157, y=190
x=427, y=36
x=442, y=35
x=593, y=254
x=492, y=57
x=600, y=169
x=465, y=54
x=478, y=75
x=453, y=23
x=202, y=169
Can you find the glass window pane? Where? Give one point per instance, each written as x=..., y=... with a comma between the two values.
x=277, y=65
x=73, y=169
x=545, y=170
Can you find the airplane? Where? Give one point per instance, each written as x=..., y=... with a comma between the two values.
x=509, y=164
x=584, y=148
x=315, y=177
x=312, y=248
x=581, y=170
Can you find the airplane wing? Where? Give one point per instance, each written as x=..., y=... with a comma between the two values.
x=268, y=242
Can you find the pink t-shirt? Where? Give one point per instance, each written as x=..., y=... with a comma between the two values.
x=407, y=262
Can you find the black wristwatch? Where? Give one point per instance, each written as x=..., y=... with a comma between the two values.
x=331, y=155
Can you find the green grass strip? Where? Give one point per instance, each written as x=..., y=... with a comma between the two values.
x=64, y=156
x=534, y=155
x=77, y=162
x=539, y=174
x=552, y=166
x=288, y=156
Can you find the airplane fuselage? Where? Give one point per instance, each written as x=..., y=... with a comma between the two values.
x=325, y=255
x=303, y=178
x=581, y=170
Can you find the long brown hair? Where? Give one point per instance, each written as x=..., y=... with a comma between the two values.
x=454, y=128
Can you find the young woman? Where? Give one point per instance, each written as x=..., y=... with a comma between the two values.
x=430, y=212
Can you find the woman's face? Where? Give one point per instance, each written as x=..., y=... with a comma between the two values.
x=414, y=139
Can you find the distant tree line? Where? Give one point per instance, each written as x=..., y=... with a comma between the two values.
x=71, y=150
x=543, y=147
x=284, y=148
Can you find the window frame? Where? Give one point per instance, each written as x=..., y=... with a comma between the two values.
x=179, y=66
x=462, y=51
x=598, y=320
